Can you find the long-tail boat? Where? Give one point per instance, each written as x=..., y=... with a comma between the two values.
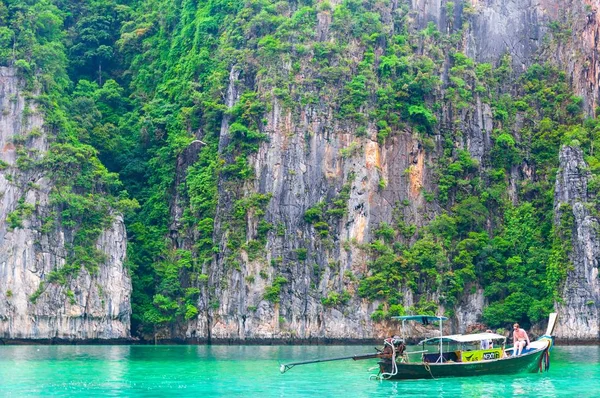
x=458, y=355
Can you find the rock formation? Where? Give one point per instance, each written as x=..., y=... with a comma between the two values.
x=89, y=306
x=579, y=312
x=300, y=279
x=305, y=162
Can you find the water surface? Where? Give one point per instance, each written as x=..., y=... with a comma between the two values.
x=253, y=371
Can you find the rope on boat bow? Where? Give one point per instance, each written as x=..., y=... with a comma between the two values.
x=544, y=364
x=394, y=372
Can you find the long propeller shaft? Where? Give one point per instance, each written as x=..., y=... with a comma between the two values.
x=285, y=367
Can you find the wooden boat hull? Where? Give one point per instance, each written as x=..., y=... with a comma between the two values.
x=529, y=362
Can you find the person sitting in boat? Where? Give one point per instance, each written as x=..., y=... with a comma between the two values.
x=519, y=339
x=394, y=343
x=487, y=344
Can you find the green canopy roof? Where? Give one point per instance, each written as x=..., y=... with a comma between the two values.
x=424, y=319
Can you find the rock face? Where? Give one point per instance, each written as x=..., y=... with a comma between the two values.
x=495, y=27
x=576, y=37
x=521, y=28
x=507, y=26
x=310, y=156
x=90, y=306
x=579, y=314
x=299, y=172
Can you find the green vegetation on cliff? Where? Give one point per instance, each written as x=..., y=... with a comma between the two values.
x=166, y=102
x=86, y=195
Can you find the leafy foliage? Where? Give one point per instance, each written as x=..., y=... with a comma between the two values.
x=137, y=103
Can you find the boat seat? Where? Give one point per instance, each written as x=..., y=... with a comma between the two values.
x=526, y=350
x=448, y=356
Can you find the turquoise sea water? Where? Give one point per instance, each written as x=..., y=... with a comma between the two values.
x=253, y=371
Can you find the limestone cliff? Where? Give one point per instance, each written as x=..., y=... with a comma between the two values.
x=575, y=27
x=311, y=156
x=32, y=245
x=305, y=163
x=305, y=170
x=530, y=31
x=494, y=27
x=579, y=313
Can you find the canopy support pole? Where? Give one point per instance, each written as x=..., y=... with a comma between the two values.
x=441, y=359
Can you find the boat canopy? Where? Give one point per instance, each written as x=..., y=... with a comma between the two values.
x=424, y=319
x=464, y=338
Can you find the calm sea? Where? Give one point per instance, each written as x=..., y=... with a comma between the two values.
x=253, y=371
